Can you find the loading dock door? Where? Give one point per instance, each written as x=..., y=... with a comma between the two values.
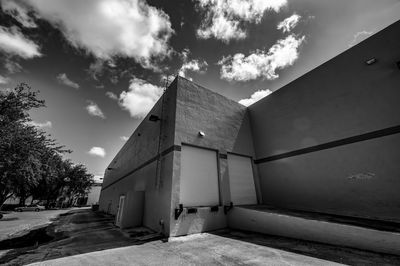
x=241, y=180
x=199, y=177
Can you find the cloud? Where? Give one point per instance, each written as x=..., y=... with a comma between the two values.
x=256, y=96
x=13, y=42
x=96, y=69
x=46, y=124
x=289, y=23
x=111, y=95
x=360, y=36
x=164, y=78
x=100, y=86
x=194, y=65
x=260, y=63
x=140, y=97
x=63, y=79
x=225, y=19
x=94, y=110
x=12, y=66
x=114, y=79
x=19, y=12
x=97, y=151
x=4, y=80
x=124, y=138
x=108, y=28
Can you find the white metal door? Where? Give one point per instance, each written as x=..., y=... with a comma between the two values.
x=241, y=180
x=199, y=177
x=120, y=210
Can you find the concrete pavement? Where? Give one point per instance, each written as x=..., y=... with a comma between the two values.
x=78, y=231
x=83, y=237
x=17, y=223
x=201, y=249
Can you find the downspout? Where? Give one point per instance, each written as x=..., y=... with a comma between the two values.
x=158, y=167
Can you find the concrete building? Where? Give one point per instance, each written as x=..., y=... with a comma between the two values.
x=328, y=143
x=92, y=197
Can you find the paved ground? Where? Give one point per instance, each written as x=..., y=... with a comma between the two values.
x=20, y=222
x=78, y=231
x=82, y=237
x=203, y=249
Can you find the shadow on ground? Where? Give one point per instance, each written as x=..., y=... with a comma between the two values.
x=75, y=232
x=327, y=252
x=9, y=219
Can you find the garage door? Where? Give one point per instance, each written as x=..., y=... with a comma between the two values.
x=199, y=177
x=241, y=180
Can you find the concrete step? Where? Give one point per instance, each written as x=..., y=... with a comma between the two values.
x=376, y=236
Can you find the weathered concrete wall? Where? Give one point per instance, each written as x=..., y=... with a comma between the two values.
x=133, y=210
x=339, y=234
x=225, y=122
x=158, y=200
x=226, y=126
x=342, y=98
x=134, y=168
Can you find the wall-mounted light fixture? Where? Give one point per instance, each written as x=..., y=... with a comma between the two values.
x=154, y=118
x=371, y=61
x=202, y=134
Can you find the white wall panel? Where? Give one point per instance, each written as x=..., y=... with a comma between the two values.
x=241, y=180
x=199, y=177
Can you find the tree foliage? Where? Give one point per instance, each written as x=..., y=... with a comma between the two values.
x=31, y=163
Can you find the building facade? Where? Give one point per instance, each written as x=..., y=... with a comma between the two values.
x=328, y=142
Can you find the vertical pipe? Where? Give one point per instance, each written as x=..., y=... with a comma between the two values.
x=158, y=167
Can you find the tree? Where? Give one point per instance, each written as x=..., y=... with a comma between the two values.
x=17, y=139
x=79, y=182
x=31, y=163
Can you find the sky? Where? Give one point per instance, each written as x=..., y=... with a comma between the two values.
x=100, y=65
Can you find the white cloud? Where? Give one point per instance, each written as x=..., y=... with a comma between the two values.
x=260, y=63
x=19, y=12
x=12, y=66
x=164, y=78
x=111, y=95
x=194, y=66
x=46, y=124
x=289, y=23
x=63, y=79
x=107, y=28
x=185, y=54
x=140, y=97
x=97, y=151
x=223, y=29
x=4, y=80
x=96, y=68
x=124, y=138
x=224, y=19
x=100, y=86
x=256, y=96
x=94, y=110
x=360, y=36
x=12, y=41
